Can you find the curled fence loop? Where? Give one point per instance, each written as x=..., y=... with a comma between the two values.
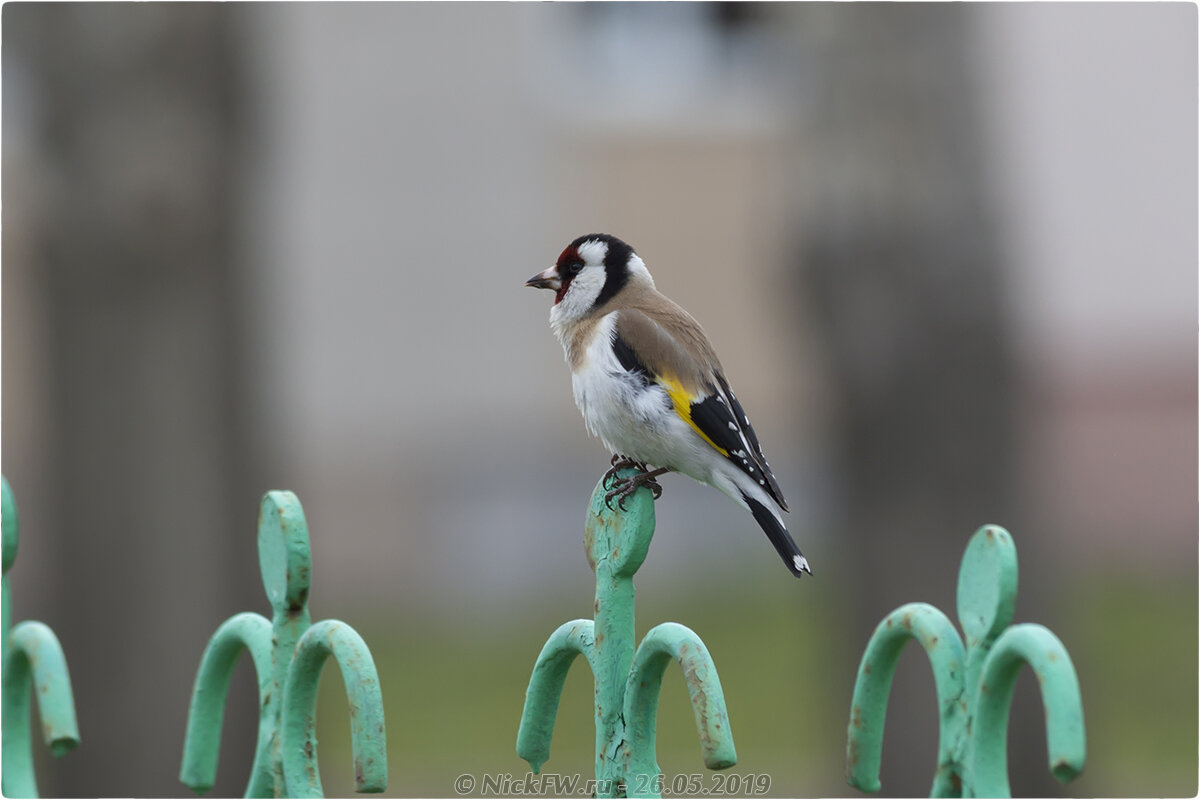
x=663, y=644
x=368, y=738
x=243, y=632
x=1062, y=705
x=545, y=688
x=939, y=639
x=34, y=666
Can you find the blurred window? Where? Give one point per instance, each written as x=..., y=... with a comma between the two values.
x=701, y=66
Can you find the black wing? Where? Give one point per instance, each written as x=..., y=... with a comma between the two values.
x=720, y=417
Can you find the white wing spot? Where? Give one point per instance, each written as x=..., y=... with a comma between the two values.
x=751, y=469
x=801, y=564
x=761, y=482
x=720, y=399
x=747, y=419
x=733, y=426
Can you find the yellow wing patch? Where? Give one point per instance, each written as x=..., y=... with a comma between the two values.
x=683, y=407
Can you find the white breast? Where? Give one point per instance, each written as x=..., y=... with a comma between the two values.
x=631, y=418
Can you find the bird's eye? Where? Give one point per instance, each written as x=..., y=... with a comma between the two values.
x=574, y=267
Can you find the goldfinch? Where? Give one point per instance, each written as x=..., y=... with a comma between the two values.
x=650, y=386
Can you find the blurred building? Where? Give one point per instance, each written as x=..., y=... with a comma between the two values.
x=947, y=253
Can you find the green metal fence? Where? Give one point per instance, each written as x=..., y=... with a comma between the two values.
x=627, y=676
x=974, y=682
x=32, y=658
x=974, y=675
x=288, y=653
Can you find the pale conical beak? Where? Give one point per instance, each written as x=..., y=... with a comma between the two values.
x=547, y=279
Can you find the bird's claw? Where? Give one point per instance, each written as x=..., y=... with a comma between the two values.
x=622, y=492
x=619, y=490
x=622, y=488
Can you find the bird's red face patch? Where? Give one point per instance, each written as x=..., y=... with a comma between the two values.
x=567, y=255
x=568, y=265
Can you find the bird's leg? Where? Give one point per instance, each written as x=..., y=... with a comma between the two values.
x=623, y=487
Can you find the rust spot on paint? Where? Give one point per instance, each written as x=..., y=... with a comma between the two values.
x=1063, y=770
x=956, y=783
x=867, y=668
x=298, y=608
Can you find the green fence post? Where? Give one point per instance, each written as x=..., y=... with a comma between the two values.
x=627, y=676
x=288, y=654
x=32, y=657
x=974, y=681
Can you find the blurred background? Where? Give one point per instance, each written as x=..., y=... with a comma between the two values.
x=948, y=254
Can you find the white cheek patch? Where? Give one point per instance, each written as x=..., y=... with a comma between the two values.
x=581, y=293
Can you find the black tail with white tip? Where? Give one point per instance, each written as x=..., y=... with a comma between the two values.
x=784, y=544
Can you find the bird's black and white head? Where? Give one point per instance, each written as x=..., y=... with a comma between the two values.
x=589, y=273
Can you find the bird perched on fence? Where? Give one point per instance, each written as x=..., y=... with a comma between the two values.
x=650, y=386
